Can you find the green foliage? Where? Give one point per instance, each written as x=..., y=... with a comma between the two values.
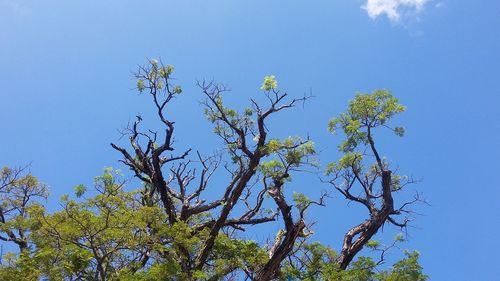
x=407, y=269
x=285, y=155
x=80, y=190
x=366, y=111
x=114, y=234
x=166, y=71
x=373, y=244
x=321, y=265
x=108, y=230
x=112, y=229
x=177, y=89
x=365, y=114
x=399, y=237
x=156, y=77
x=218, y=117
x=348, y=160
x=140, y=85
x=19, y=195
x=301, y=201
x=399, y=131
x=272, y=168
x=19, y=267
x=230, y=254
x=269, y=83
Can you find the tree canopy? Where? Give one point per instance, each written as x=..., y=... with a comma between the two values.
x=189, y=215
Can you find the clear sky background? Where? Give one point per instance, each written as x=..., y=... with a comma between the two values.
x=66, y=87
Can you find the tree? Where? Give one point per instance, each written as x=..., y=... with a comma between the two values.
x=168, y=230
x=376, y=181
x=19, y=192
x=101, y=238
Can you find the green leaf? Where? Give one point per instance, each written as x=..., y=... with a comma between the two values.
x=80, y=190
x=399, y=237
x=399, y=131
x=269, y=83
x=140, y=85
x=373, y=244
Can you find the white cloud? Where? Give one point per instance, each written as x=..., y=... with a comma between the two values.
x=393, y=9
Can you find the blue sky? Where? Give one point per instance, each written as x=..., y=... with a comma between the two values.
x=66, y=88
